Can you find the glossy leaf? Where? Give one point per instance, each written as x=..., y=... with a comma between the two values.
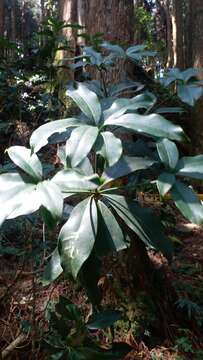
x=18, y=197
x=143, y=222
x=116, y=49
x=51, y=198
x=29, y=163
x=126, y=165
x=187, y=202
x=191, y=166
x=109, y=236
x=53, y=269
x=86, y=100
x=80, y=143
x=168, y=153
x=164, y=182
x=154, y=125
x=170, y=110
x=77, y=236
x=104, y=319
x=189, y=94
x=112, y=147
x=72, y=181
x=40, y=136
x=121, y=106
x=127, y=85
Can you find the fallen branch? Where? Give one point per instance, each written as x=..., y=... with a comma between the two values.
x=12, y=346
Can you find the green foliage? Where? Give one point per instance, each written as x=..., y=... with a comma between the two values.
x=95, y=164
x=69, y=335
x=188, y=87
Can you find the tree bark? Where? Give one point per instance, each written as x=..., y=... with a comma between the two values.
x=196, y=60
x=1, y=17
x=178, y=34
x=114, y=18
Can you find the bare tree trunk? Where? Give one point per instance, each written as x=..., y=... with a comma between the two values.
x=196, y=60
x=1, y=17
x=114, y=18
x=178, y=34
x=165, y=12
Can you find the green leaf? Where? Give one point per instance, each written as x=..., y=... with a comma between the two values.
x=188, y=73
x=116, y=49
x=143, y=222
x=164, y=182
x=18, y=197
x=170, y=110
x=40, y=136
x=23, y=158
x=57, y=356
x=137, y=52
x=189, y=94
x=109, y=236
x=121, y=106
x=191, y=166
x=77, y=236
x=168, y=153
x=95, y=57
x=154, y=125
x=187, y=202
x=127, y=85
x=80, y=143
x=126, y=165
x=86, y=100
x=89, y=277
x=111, y=147
x=51, y=198
x=103, y=319
x=53, y=269
x=72, y=181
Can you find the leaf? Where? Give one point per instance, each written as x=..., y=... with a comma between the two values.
x=188, y=73
x=191, y=166
x=109, y=236
x=154, y=125
x=77, y=236
x=143, y=222
x=187, y=202
x=111, y=147
x=170, y=110
x=126, y=165
x=104, y=319
x=40, y=136
x=189, y=94
x=51, y=198
x=53, y=269
x=86, y=100
x=95, y=58
x=18, y=197
x=23, y=158
x=168, y=153
x=127, y=85
x=164, y=182
x=72, y=181
x=120, y=106
x=80, y=143
x=89, y=277
x=116, y=49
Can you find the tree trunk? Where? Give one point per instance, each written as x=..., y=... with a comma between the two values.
x=114, y=18
x=196, y=60
x=178, y=34
x=1, y=17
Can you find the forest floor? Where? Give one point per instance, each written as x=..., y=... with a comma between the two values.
x=24, y=301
